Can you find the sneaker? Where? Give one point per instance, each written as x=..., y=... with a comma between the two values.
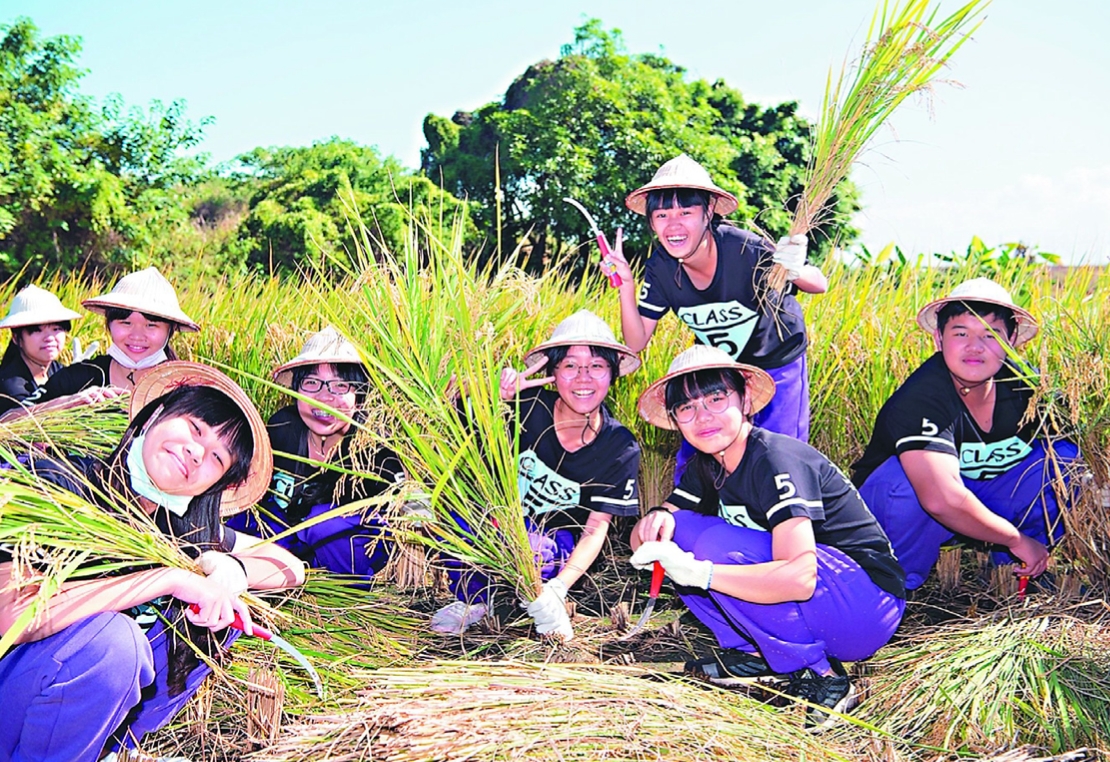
x=730, y=667
x=455, y=618
x=134, y=755
x=824, y=694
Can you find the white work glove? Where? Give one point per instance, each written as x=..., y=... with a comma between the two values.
x=680, y=565
x=790, y=253
x=455, y=618
x=224, y=570
x=549, y=611
x=76, y=353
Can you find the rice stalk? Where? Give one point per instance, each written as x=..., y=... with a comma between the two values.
x=907, y=46
x=90, y=430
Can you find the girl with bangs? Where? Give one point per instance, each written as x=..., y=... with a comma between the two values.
x=113, y=658
x=142, y=314
x=39, y=324
x=710, y=274
x=330, y=374
x=769, y=544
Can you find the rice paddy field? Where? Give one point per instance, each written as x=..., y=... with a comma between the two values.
x=975, y=672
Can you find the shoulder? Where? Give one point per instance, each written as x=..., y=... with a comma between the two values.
x=732, y=239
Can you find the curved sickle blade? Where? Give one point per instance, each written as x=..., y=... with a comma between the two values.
x=602, y=244
x=653, y=595
x=288, y=647
x=589, y=217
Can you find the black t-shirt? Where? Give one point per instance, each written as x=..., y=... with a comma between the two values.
x=927, y=413
x=560, y=488
x=297, y=486
x=73, y=379
x=781, y=478
x=727, y=313
x=17, y=383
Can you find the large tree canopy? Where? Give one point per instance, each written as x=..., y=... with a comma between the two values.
x=594, y=125
x=80, y=184
x=315, y=200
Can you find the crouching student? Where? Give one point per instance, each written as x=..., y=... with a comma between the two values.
x=39, y=323
x=98, y=667
x=769, y=544
x=577, y=467
x=330, y=374
x=954, y=452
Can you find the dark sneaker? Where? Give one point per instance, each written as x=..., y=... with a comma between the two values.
x=730, y=667
x=824, y=693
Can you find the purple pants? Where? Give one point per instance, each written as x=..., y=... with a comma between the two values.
x=849, y=617
x=1024, y=496
x=355, y=544
x=66, y=695
x=552, y=550
x=786, y=413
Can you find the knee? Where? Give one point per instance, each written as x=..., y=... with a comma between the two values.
x=122, y=660
x=737, y=546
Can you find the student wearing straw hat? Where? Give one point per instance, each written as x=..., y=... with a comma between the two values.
x=769, y=544
x=954, y=451
x=142, y=315
x=100, y=666
x=710, y=275
x=331, y=380
x=39, y=324
x=577, y=466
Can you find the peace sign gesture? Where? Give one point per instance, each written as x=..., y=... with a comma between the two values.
x=513, y=382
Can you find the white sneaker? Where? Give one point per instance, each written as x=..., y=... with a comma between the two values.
x=134, y=755
x=455, y=618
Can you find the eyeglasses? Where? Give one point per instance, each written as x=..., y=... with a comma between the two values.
x=335, y=386
x=568, y=371
x=715, y=403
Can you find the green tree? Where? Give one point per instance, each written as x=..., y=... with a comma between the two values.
x=594, y=125
x=81, y=185
x=309, y=201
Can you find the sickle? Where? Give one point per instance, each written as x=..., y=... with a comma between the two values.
x=602, y=244
x=653, y=594
x=263, y=634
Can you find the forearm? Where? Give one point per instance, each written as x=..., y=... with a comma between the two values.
x=633, y=330
x=83, y=598
x=812, y=280
x=270, y=566
x=584, y=554
x=965, y=514
x=771, y=582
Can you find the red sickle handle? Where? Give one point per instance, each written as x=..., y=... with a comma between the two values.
x=656, y=579
x=1023, y=583
x=614, y=279
x=259, y=632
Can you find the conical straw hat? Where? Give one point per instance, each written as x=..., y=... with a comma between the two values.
x=168, y=376
x=653, y=406
x=584, y=328
x=144, y=291
x=328, y=346
x=36, y=306
x=682, y=172
x=981, y=290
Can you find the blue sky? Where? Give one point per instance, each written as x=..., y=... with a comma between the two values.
x=1019, y=152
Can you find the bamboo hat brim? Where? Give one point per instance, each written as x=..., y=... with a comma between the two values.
x=584, y=328
x=145, y=291
x=168, y=376
x=326, y=347
x=36, y=306
x=682, y=172
x=759, y=385
x=987, y=291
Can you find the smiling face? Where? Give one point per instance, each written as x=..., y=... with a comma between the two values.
x=41, y=344
x=576, y=383
x=184, y=455
x=321, y=422
x=972, y=346
x=708, y=407
x=680, y=229
x=139, y=336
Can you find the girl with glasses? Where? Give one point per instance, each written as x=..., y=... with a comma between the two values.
x=769, y=544
x=577, y=466
x=329, y=375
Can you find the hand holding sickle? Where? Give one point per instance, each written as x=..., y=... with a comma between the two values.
x=607, y=264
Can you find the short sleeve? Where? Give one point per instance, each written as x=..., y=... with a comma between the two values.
x=617, y=490
x=652, y=301
x=788, y=486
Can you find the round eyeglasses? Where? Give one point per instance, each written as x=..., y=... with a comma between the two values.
x=569, y=371
x=336, y=386
x=715, y=403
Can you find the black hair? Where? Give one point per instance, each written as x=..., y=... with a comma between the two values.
x=200, y=528
x=22, y=330
x=669, y=198
x=701, y=383
x=121, y=313
x=610, y=356
x=981, y=309
x=347, y=371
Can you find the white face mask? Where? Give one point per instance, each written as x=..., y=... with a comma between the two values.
x=122, y=358
x=145, y=486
